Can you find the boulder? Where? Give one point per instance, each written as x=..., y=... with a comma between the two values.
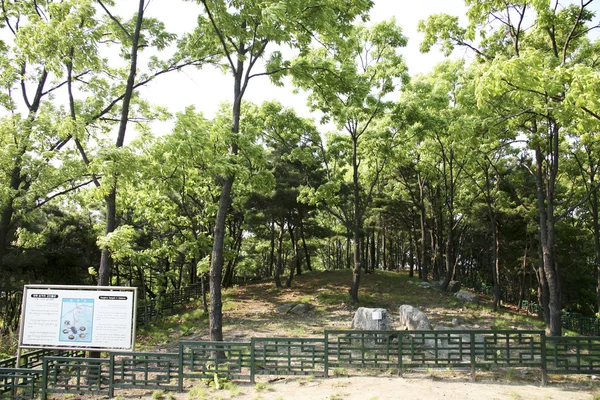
x=284, y=308
x=453, y=286
x=424, y=285
x=367, y=319
x=411, y=318
x=300, y=309
x=467, y=296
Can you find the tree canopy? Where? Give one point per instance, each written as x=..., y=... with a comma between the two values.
x=484, y=170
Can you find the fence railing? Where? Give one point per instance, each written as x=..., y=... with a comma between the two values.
x=35, y=358
x=354, y=352
x=149, y=310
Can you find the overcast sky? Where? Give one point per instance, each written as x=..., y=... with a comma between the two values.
x=207, y=88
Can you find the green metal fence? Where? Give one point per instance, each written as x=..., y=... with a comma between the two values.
x=287, y=356
x=164, y=303
x=573, y=355
x=143, y=371
x=202, y=360
x=400, y=350
x=76, y=375
x=19, y=383
x=34, y=359
x=355, y=351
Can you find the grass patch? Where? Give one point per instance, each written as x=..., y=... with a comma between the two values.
x=198, y=392
x=260, y=386
x=304, y=381
x=330, y=297
x=188, y=320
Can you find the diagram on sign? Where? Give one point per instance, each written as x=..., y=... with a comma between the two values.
x=77, y=320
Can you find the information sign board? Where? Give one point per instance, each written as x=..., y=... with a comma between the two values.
x=78, y=317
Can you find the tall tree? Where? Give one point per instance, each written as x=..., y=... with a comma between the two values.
x=525, y=77
x=37, y=61
x=111, y=197
x=241, y=32
x=349, y=83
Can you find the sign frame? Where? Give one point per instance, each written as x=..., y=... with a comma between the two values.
x=95, y=305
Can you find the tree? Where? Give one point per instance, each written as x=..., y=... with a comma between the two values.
x=241, y=32
x=34, y=130
x=170, y=197
x=525, y=78
x=293, y=152
x=349, y=83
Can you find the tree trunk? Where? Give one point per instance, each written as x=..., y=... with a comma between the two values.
x=5, y=224
x=356, y=224
x=495, y=261
x=547, y=222
x=295, y=264
x=104, y=269
x=279, y=263
x=596, y=224
x=216, y=263
x=357, y=269
x=373, y=253
x=423, y=273
x=272, y=250
x=411, y=261
x=522, y=288
x=111, y=224
x=305, y=247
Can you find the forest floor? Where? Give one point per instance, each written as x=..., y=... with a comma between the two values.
x=250, y=311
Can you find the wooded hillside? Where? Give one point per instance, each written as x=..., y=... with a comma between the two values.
x=485, y=170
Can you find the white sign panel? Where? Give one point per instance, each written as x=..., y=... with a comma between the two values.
x=80, y=317
x=376, y=315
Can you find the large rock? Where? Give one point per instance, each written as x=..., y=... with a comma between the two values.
x=413, y=319
x=300, y=309
x=284, y=308
x=453, y=286
x=467, y=296
x=364, y=319
x=293, y=308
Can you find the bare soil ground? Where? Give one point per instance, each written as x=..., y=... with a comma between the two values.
x=387, y=388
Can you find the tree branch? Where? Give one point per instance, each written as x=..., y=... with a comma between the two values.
x=115, y=19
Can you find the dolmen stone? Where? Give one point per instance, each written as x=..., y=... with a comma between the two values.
x=467, y=296
x=293, y=308
x=371, y=319
x=284, y=308
x=301, y=308
x=453, y=286
x=413, y=319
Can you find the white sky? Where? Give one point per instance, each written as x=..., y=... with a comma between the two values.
x=206, y=89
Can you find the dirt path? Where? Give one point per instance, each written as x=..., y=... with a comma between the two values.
x=371, y=388
x=388, y=388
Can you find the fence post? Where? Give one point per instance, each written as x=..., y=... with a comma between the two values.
x=44, y=379
x=544, y=364
x=252, y=363
x=472, y=356
x=111, y=376
x=400, y=355
x=326, y=361
x=180, y=369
